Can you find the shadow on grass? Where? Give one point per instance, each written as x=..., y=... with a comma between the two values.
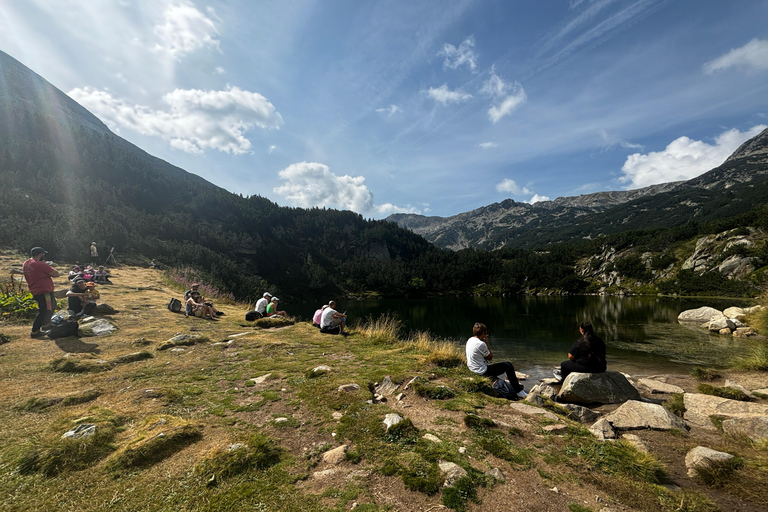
x=72, y=344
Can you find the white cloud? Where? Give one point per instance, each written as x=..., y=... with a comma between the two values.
x=445, y=96
x=455, y=57
x=537, y=198
x=682, y=159
x=220, y=70
x=196, y=119
x=612, y=141
x=753, y=55
x=390, y=110
x=507, y=96
x=271, y=148
x=488, y=145
x=309, y=184
x=184, y=30
x=508, y=185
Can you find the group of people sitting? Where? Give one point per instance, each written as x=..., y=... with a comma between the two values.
x=196, y=305
x=99, y=275
x=330, y=321
x=587, y=355
x=267, y=306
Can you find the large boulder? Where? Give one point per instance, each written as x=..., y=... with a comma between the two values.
x=607, y=388
x=699, y=315
x=737, y=266
x=635, y=415
x=699, y=408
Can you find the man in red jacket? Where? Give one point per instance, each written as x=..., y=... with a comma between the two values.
x=39, y=276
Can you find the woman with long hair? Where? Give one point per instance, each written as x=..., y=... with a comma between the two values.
x=587, y=355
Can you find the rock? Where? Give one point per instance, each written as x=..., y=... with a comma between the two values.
x=100, y=327
x=702, y=314
x=387, y=387
x=235, y=446
x=392, y=419
x=701, y=457
x=743, y=332
x=535, y=399
x=717, y=323
x=700, y=407
x=607, y=388
x=321, y=368
x=737, y=266
x=544, y=390
x=400, y=396
x=431, y=437
x=348, y=388
x=452, y=472
x=734, y=312
x=335, y=456
x=557, y=428
x=262, y=379
x=131, y=358
x=762, y=391
x=281, y=420
x=178, y=349
x=655, y=387
x=103, y=309
x=337, y=415
x=410, y=383
x=462, y=450
x=635, y=441
x=533, y=411
x=82, y=431
x=636, y=415
x=603, y=430
x=496, y=474
x=735, y=385
x=580, y=413
x=319, y=475
x=725, y=331
x=522, y=376
x=753, y=427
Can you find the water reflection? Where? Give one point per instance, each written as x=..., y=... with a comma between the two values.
x=641, y=333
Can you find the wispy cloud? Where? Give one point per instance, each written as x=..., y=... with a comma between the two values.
x=271, y=148
x=389, y=111
x=507, y=96
x=752, y=56
x=509, y=185
x=196, y=120
x=682, y=159
x=309, y=184
x=488, y=145
x=184, y=30
x=445, y=96
x=611, y=141
x=463, y=55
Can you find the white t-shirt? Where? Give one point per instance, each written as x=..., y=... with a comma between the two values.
x=476, y=352
x=326, y=317
x=261, y=305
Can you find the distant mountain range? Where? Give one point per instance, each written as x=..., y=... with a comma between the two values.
x=734, y=187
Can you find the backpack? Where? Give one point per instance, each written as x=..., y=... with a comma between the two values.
x=174, y=305
x=252, y=316
x=63, y=329
x=504, y=390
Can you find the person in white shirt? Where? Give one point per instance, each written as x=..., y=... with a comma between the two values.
x=261, y=304
x=330, y=320
x=479, y=354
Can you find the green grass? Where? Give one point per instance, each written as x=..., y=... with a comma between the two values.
x=719, y=474
x=756, y=360
x=707, y=374
x=257, y=453
x=428, y=390
x=723, y=392
x=675, y=404
x=621, y=458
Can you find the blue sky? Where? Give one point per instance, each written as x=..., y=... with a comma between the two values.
x=431, y=107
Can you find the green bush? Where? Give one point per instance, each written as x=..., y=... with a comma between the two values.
x=456, y=496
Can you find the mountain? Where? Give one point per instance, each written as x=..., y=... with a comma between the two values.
x=734, y=187
x=67, y=180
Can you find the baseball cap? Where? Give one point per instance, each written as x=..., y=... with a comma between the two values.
x=37, y=250
x=267, y=294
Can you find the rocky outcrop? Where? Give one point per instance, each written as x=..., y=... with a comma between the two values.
x=635, y=415
x=607, y=388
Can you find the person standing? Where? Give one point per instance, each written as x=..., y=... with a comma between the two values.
x=94, y=253
x=39, y=276
x=479, y=354
x=587, y=355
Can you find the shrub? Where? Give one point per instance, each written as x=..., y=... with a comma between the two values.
x=621, y=458
x=386, y=328
x=422, y=476
x=475, y=422
x=404, y=433
x=456, y=496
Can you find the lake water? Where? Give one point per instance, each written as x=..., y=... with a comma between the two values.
x=641, y=333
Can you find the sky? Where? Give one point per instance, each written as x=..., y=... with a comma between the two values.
x=403, y=106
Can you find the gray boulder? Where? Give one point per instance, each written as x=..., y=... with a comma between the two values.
x=392, y=419
x=603, y=430
x=635, y=415
x=699, y=315
x=580, y=413
x=99, y=327
x=607, y=388
x=452, y=472
x=701, y=457
x=753, y=427
x=386, y=387
x=736, y=266
x=699, y=407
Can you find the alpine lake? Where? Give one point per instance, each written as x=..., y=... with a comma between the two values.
x=642, y=334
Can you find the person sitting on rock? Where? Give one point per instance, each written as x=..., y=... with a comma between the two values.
x=272, y=309
x=77, y=298
x=587, y=355
x=479, y=354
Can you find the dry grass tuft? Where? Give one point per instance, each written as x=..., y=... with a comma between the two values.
x=385, y=329
x=441, y=352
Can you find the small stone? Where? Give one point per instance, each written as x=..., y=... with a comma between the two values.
x=387, y=387
x=431, y=437
x=724, y=331
x=496, y=474
x=400, y=397
x=453, y=472
x=557, y=428
x=337, y=415
x=321, y=368
x=281, y=420
x=522, y=376
x=392, y=419
x=701, y=456
x=463, y=450
x=555, y=490
x=335, y=456
x=178, y=349
x=82, y=431
x=603, y=430
x=410, y=383
x=235, y=446
x=319, y=475
x=262, y=379
x=348, y=388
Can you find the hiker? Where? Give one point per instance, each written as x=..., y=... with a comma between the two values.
x=94, y=253
x=199, y=299
x=587, y=355
x=196, y=307
x=262, y=303
x=272, y=309
x=39, y=276
x=77, y=300
x=479, y=354
x=101, y=276
x=331, y=321
x=318, y=316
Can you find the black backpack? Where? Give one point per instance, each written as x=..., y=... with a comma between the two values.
x=174, y=305
x=504, y=390
x=63, y=329
x=252, y=316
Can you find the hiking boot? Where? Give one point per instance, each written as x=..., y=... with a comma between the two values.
x=522, y=394
x=558, y=375
x=37, y=335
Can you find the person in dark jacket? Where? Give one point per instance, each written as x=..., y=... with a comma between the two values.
x=587, y=355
